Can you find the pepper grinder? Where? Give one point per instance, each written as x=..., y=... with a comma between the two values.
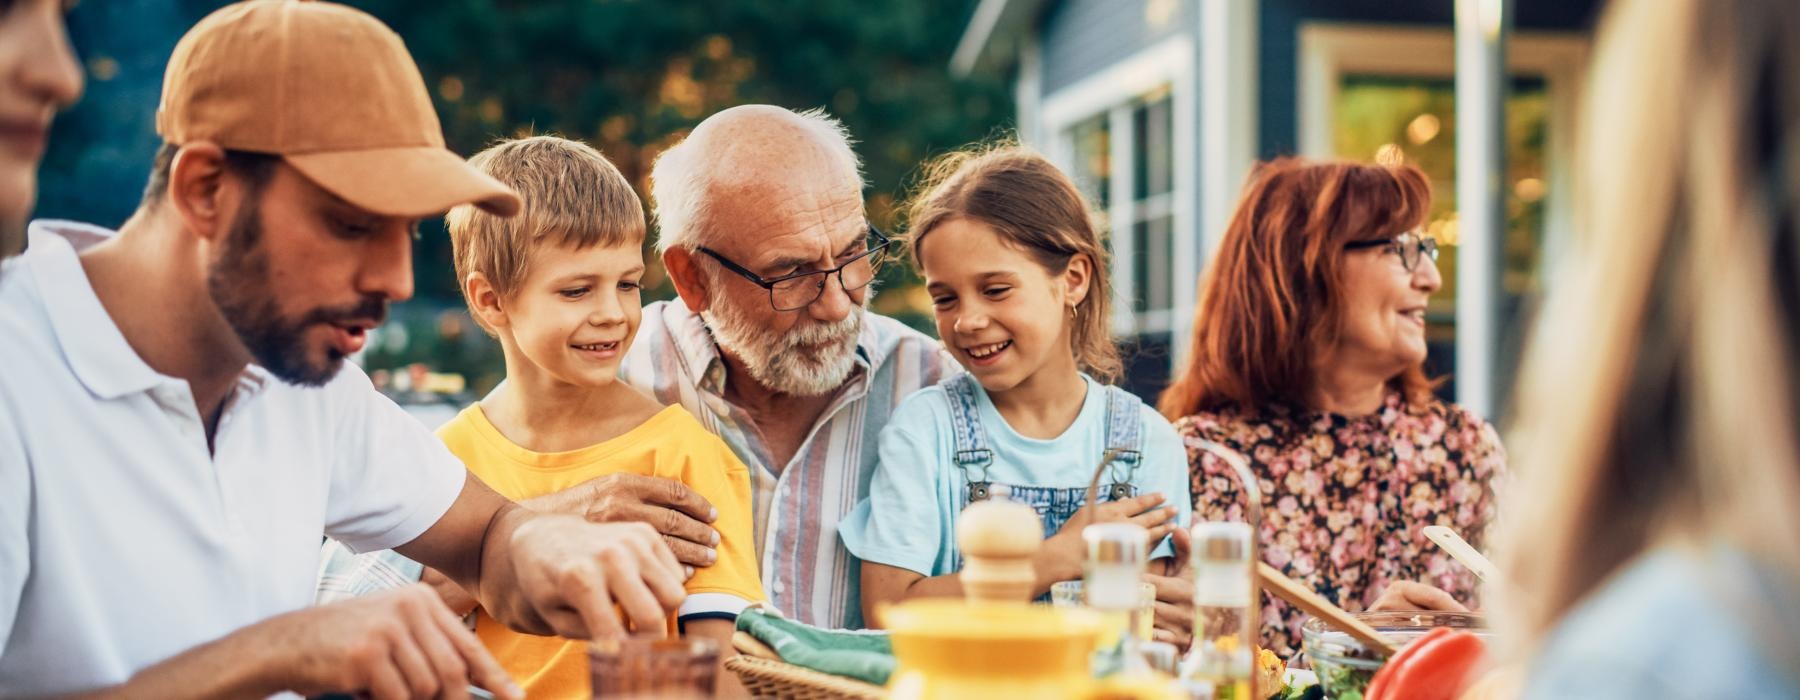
x=998, y=537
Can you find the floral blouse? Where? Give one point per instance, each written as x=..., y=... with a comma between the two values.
x=1346, y=499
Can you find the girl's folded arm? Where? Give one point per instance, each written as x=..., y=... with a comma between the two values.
x=891, y=584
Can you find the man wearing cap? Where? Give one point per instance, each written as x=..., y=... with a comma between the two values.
x=178, y=427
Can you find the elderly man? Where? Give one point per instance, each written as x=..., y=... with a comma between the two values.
x=763, y=232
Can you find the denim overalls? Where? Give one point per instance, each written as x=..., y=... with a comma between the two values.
x=1124, y=440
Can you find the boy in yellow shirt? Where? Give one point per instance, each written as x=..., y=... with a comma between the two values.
x=558, y=286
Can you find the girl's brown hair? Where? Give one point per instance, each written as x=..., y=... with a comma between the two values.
x=1034, y=206
x=1270, y=301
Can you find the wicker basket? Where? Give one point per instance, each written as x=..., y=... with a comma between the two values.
x=763, y=673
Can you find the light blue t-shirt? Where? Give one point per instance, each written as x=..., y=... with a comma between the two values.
x=1680, y=622
x=909, y=519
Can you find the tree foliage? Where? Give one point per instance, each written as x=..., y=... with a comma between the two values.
x=630, y=77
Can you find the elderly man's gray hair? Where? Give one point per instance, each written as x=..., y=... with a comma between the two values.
x=683, y=174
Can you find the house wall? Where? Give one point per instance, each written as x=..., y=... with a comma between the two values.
x=1081, y=37
x=1278, y=47
x=1079, y=40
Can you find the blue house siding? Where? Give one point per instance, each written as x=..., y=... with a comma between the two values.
x=1083, y=37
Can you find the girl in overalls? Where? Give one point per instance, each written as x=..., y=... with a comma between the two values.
x=1017, y=279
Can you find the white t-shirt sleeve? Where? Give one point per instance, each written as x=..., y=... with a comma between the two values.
x=393, y=479
x=713, y=605
x=15, y=514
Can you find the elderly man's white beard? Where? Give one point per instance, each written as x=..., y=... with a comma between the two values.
x=812, y=359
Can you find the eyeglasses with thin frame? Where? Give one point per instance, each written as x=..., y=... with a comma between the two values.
x=799, y=290
x=1410, y=246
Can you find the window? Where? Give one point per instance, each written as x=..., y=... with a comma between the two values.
x=1381, y=117
x=1127, y=135
x=1092, y=165
x=1152, y=214
x=1144, y=251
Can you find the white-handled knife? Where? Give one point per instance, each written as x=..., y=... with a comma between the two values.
x=1459, y=549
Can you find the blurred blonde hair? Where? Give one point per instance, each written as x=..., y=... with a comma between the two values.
x=1658, y=405
x=573, y=197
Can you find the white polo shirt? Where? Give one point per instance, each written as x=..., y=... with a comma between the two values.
x=122, y=540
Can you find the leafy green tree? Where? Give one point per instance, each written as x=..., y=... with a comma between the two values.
x=633, y=77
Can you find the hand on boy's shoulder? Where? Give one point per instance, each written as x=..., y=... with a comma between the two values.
x=682, y=516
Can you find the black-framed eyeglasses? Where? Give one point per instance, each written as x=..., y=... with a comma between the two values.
x=1410, y=246
x=800, y=289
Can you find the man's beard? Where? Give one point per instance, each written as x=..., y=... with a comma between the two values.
x=239, y=286
x=12, y=238
x=9, y=233
x=809, y=360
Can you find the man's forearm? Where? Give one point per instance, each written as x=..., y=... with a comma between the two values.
x=495, y=576
x=455, y=597
x=470, y=540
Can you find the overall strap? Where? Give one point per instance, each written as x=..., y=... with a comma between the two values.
x=1125, y=439
x=972, y=454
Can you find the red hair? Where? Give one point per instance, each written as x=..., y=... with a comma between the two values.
x=1270, y=301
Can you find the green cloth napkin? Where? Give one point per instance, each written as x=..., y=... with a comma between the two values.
x=865, y=655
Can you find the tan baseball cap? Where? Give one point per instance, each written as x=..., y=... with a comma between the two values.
x=334, y=93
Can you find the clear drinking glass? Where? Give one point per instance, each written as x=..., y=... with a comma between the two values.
x=1143, y=620
x=653, y=668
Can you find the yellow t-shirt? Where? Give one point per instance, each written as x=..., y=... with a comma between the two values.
x=670, y=444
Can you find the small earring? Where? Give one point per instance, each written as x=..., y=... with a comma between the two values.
x=1072, y=311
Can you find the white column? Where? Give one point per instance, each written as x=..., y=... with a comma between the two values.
x=1228, y=134
x=1481, y=86
x=1121, y=134
x=1028, y=93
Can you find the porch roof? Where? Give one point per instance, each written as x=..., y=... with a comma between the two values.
x=990, y=42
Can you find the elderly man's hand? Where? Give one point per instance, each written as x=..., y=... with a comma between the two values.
x=569, y=574
x=667, y=505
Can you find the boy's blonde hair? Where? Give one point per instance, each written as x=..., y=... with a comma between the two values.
x=572, y=195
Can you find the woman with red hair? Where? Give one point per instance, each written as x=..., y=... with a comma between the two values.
x=1308, y=358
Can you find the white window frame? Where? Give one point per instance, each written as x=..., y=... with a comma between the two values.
x=1331, y=50
x=1114, y=92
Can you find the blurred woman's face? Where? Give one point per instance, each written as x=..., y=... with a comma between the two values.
x=1383, y=305
x=38, y=75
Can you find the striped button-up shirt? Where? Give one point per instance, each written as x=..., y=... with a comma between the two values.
x=806, y=571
